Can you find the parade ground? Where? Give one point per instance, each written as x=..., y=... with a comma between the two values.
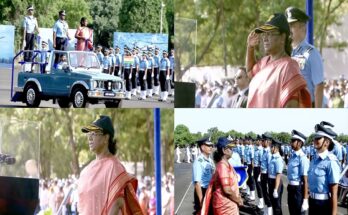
x=5, y=91
x=184, y=190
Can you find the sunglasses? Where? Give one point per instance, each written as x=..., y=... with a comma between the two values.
x=210, y=146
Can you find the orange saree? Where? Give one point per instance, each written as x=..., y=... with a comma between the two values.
x=275, y=83
x=101, y=183
x=224, y=175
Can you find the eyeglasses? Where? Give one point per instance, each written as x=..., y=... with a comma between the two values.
x=94, y=134
x=269, y=34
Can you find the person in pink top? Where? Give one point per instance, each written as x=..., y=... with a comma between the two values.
x=276, y=81
x=104, y=186
x=84, y=36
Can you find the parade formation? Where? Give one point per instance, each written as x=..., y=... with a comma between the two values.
x=146, y=72
x=314, y=173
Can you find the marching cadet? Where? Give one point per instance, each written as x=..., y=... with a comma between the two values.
x=324, y=174
x=29, y=27
x=257, y=170
x=127, y=71
x=297, y=176
x=118, y=60
x=142, y=76
x=172, y=70
x=286, y=153
x=150, y=73
x=156, y=72
x=337, y=149
x=135, y=71
x=106, y=63
x=265, y=159
x=202, y=171
x=60, y=32
x=112, y=60
x=99, y=53
x=307, y=56
x=178, y=152
x=164, y=75
x=249, y=160
x=275, y=182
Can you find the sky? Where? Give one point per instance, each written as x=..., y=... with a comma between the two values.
x=261, y=120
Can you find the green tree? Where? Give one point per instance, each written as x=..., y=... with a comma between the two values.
x=182, y=135
x=142, y=16
x=105, y=16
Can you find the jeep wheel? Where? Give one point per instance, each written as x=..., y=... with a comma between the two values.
x=32, y=96
x=79, y=98
x=64, y=103
x=113, y=104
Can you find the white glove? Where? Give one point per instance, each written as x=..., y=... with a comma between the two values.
x=152, y=75
x=144, y=77
x=259, y=178
x=168, y=77
x=305, y=205
x=275, y=194
x=130, y=75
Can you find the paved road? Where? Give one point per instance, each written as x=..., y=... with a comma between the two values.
x=184, y=191
x=5, y=86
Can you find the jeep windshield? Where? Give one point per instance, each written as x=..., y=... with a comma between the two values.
x=86, y=60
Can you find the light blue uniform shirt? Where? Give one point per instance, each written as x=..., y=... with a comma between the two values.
x=61, y=28
x=29, y=24
x=100, y=57
x=337, y=150
x=143, y=65
x=136, y=61
x=112, y=59
x=157, y=61
x=202, y=170
x=265, y=159
x=276, y=165
x=235, y=160
x=311, y=65
x=258, y=156
x=249, y=154
x=286, y=150
x=151, y=62
x=164, y=64
x=172, y=62
x=118, y=59
x=106, y=62
x=298, y=166
x=324, y=170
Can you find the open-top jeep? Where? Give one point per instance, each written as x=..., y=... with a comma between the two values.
x=70, y=77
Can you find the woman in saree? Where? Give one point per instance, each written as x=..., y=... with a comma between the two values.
x=223, y=191
x=84, y=36
x=276, y=81
x=104, y=186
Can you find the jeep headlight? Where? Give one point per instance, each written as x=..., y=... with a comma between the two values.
x=95, y=84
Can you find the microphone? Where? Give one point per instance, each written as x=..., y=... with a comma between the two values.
x=7, y=159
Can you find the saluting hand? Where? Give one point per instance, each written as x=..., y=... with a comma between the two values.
x=253, y=39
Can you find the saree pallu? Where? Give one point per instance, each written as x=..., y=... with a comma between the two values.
x=275, y=83
x=225, y=175
x=101, y=183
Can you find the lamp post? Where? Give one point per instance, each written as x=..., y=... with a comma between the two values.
x=162, y=6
